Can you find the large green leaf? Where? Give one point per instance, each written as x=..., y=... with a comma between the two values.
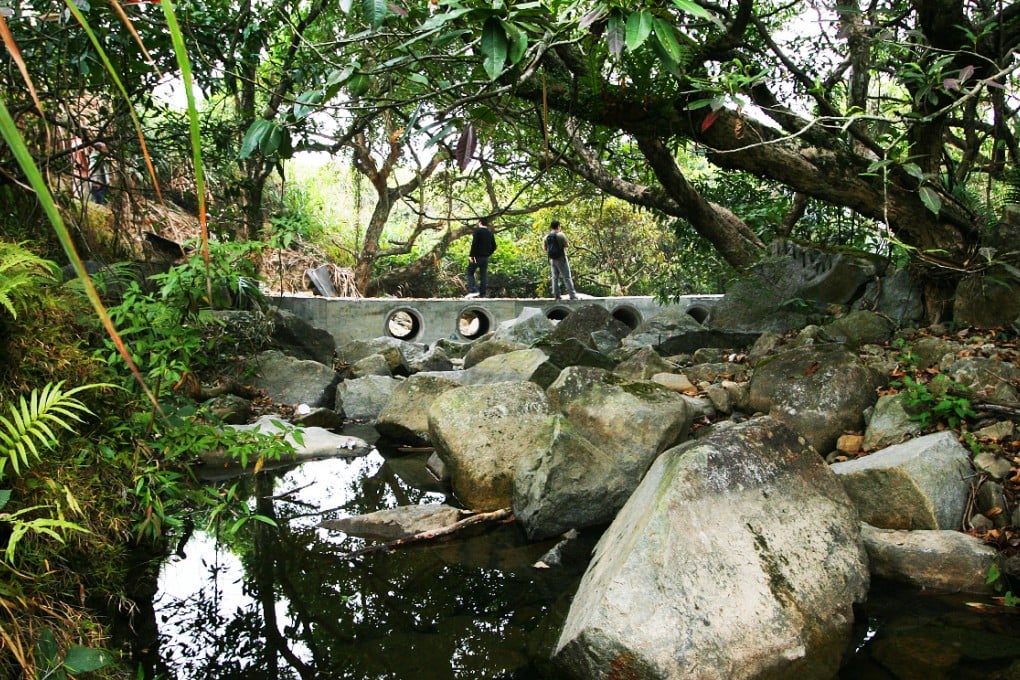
x=694, y=9
x=639, y=27
x=270, y=143
x=307, y=103
x=931, y=199
x=494, y=47
x=375, y=11
x=665, y=35
x=85, y=660
x=260, y=129
x=518, y=42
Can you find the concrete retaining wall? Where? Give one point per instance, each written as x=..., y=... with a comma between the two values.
x=428, y=320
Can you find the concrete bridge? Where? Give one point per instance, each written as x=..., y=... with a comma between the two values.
x=426, y=320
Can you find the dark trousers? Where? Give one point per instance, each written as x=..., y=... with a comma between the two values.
x=481, y=264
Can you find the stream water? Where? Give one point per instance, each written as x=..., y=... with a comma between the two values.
x=294, y=602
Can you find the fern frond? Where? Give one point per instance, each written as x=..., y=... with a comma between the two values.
x=21, y=274
x=54, y=528
x=29, y=425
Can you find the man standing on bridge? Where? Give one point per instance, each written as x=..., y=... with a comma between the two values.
x=483, y=245
x=555, y=246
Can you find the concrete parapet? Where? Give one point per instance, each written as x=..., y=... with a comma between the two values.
x=426, y=320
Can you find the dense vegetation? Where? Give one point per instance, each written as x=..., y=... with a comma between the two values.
x=675, y=140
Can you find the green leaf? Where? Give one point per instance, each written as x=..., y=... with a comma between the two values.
x=494, y=47
x=518, y=42
x=375, y=11
x=694, y=9
x=441, y=18
x=666, y=37
x=307, y=102
x=700, y=104
x=270, y=143
x=913, y=170
x=359, y=84
x=253, y=138
x=639, y=27
x=46, y=648
x=85, y=660
x=931, y=199
x=5, y=497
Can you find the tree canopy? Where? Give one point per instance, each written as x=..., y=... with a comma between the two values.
x=903, y=114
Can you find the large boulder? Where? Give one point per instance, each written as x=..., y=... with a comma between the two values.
x=525, y=364
x=643, y=364
x=391, y=349
x=633, y=421
x=674, y=331
x=292, y=381
x=297, y=338
x=481, y=431
x=986, y=375
x=860, y=327
x=405, y=417
x=573, y=352
x=988, y=300
x=530, y=326
x=898, y=295
x=569, y=483
x=920, y=484
x=944, y=561
x=482, y=349
x=889, y=423
x=738, y=556
x=587, y=320
x=820, y=391
x=789, y=288
x=433, y=358
x=364, y=398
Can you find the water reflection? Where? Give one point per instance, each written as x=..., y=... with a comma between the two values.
x=290, y=601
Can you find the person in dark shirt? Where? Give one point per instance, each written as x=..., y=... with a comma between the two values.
x=555, y=246
x=483, y=245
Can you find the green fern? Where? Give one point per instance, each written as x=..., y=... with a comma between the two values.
x=28, y=424
x=21, y=272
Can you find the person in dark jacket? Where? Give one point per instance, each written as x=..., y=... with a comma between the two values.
x=555, y=246
x=483, y=245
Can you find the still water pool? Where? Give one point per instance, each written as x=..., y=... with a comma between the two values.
x=295, y=602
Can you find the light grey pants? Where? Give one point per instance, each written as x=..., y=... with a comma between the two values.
x=561, y=270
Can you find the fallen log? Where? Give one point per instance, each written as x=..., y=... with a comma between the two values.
x=494, y=516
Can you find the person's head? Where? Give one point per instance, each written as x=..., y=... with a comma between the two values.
x=555, y=225
x=484, y=222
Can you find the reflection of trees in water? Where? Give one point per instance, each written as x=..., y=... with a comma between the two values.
x=467, y=607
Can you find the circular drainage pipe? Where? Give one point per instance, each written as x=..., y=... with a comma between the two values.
x=404, y=323
x=628, y=316
x=473, y=323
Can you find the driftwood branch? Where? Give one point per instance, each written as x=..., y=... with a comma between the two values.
x=189, y=385
x=494, y=516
